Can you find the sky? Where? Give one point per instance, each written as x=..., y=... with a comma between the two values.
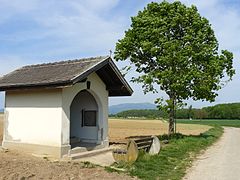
x=36, y=31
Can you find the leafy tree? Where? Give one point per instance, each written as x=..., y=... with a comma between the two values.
x=174, y=47
x=141, y=113
x=223, y=111
x=200, y=114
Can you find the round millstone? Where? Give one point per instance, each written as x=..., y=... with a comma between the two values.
x=155, y=147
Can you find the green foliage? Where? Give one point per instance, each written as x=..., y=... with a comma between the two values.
x=141, y=113
x=87, y=164
x=194, y=114
x=174, y=158
x=171, y=136
x=230, y=123
x=176, y=48
x=220, y=111
x=224, y=111
x=173, y=47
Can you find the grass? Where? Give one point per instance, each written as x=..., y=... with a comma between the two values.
x=231, y=123
x=174, y=158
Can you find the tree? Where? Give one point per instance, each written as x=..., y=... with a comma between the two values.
x=190, y=112
x=174, y=47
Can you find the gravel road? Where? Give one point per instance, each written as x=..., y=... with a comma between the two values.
x=221, y=161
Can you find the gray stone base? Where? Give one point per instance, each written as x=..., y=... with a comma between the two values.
x=53, y=151
x=105, y=143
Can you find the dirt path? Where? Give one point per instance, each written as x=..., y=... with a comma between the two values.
x=221, y=161
x=15, y=165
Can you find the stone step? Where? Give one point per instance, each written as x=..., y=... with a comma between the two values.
x=78, y=150
x=80, y=155
x=86, y=148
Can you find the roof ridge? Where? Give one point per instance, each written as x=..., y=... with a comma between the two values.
x=65, y=62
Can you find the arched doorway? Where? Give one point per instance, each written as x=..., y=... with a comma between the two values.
x=83, y=119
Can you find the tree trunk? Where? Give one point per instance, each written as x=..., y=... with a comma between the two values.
x=172, y=122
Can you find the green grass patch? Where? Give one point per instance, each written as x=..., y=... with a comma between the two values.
x=174, y=158
x=231, y=123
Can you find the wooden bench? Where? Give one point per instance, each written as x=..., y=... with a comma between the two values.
x=144, y=143
x=133, y=146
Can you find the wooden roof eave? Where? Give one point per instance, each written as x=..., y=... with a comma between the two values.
x=76, y=79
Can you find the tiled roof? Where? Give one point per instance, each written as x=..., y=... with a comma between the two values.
x=59, y=73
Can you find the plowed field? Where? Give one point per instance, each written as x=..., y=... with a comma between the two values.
x=119, y=129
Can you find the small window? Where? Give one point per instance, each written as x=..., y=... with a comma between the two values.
x=89, y=118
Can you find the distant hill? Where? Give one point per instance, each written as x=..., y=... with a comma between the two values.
x=1, y=110
x=129, y=106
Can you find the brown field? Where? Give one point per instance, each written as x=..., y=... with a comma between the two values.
x=119, y=129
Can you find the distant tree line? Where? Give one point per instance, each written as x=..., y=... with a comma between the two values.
x=220, y=111
x=140, y=113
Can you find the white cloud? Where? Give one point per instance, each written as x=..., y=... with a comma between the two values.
x=79, y=25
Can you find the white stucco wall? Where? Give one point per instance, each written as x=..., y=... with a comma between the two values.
x=34, y=117
x=42, y=117
x=98, y=90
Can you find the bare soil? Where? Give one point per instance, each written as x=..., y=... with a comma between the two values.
x=15, y=165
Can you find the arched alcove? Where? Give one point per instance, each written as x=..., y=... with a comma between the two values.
x=83, y=119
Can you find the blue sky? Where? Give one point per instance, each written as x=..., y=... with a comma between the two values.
x=35, y=31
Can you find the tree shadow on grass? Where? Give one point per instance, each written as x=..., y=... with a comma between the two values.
x=177, y=136
x=164, y=137
x=174, y=136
